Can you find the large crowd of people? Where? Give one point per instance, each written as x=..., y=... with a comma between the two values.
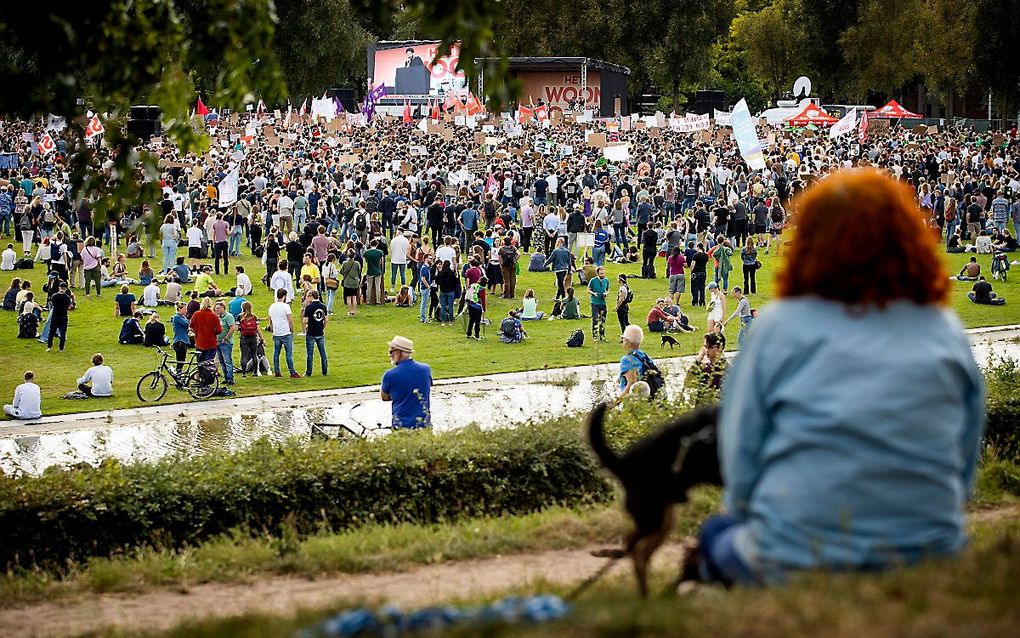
x=446, y=219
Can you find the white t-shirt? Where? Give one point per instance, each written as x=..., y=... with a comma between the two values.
x=243, y=284
x=101, y=378
x=279, y=312
x=173, y=292
x=282, y=279
x=195, y=236
x=150, y=294
x=398, y=250
x=7, y=259
x=446, y=253
x=27, y=401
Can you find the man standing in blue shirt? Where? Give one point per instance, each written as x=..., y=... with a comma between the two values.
x=408, y=384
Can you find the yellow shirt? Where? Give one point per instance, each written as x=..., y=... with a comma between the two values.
x=311, y=270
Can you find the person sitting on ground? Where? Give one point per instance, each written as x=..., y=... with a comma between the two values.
x=119, y=272
x=243, y=286
x=954, y=242
x=404, y=298
x=982, y=293
x=683, y=322
x=182, y=271
x=155, y=332
x=193, y=304
x=511, y=330
x=970, y=271
x=145, y=273
x=1004, y=242
x=10, y=302
x=100, y=376
x=531, y=311
x=124, y=303
x=173, y=291
x=204, y=284
x=150, y=294
x=29, y=316
x=710, y=365
x=659, y=320
x=8, y=258
x=537, y=262
x=131, y=333
x=571, y=308
x=27, y=400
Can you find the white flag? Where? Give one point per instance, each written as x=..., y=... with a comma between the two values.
x=747, y=137
x=846, y=124
x=228, y=188
x=423, y=125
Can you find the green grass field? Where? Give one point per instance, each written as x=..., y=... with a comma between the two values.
x=357, y=346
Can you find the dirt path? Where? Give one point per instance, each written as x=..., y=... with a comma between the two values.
x=163, y=609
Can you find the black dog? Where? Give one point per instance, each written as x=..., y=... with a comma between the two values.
x=656, y=473
x=666, y=339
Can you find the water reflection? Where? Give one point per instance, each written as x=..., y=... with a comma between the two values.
x=491, y=402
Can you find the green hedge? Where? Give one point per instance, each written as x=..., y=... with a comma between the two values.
x=407, y=477
x=1002, y=432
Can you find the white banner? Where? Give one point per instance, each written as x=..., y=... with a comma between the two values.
x=619, y=153
x=722, y=118
x=747, y=137
x=846, y=124
x=690, y=123
x=228, y=188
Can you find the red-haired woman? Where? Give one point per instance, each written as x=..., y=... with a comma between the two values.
x=851, y=421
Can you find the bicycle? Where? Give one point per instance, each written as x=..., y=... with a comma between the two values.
x=200, y=379
x=346, y=431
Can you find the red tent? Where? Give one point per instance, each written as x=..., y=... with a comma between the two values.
x=893, y=110
x=812, y=114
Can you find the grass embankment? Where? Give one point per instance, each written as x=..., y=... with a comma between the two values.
x=357, y=346
x=972, y=595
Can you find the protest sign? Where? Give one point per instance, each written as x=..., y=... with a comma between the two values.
x=598, y=140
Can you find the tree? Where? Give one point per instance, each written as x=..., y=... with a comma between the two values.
x=770, y=38
x=998, y=49
x=319, y=44
x=944, y=49
x=821, y=24
x=879, y=47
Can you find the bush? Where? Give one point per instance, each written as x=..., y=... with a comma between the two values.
x=71, y=514
x=1002, y=432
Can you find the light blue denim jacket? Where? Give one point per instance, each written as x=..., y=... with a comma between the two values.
x=849, y=440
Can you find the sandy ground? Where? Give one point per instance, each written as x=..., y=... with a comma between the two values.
x=163, y=609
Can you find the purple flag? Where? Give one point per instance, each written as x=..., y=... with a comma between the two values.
x=373, y=96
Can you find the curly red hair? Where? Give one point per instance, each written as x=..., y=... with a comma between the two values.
x=861, y=239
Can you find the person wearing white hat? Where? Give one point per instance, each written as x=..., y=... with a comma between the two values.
x=408, y=384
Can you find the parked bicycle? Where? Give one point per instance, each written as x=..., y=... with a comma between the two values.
x=354, y=429
x=199, y=379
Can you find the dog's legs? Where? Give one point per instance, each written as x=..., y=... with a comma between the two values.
x=643, y=547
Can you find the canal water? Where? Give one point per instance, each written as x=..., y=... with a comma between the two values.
x=491, y=401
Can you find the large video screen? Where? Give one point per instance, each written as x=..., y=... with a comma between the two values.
x=406, y=68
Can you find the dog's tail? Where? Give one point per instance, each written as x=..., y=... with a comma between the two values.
x=597, y=439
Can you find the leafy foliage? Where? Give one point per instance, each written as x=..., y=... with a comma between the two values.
x=1002, y=431
x=769, y=36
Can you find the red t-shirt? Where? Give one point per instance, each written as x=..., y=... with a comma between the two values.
x=206, y=326
x=473, y=274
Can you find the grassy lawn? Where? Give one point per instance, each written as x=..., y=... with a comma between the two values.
x=357, y=346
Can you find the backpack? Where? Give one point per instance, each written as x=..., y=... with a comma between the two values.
x=576, y=339
x=630, y=295
x=24, y=264
x=506, y=256
x=49, y=217
x=360, y=222
x=249, y=327
x=650, y=374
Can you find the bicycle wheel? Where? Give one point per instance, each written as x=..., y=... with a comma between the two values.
x=199, y=388
x=151, y=387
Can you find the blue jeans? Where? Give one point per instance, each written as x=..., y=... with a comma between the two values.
x=169, y=254
x=446, y=306
x=300, y=214
x=745, y=327
x=598, y=255
x=235, y=242
x=287, y=343
x=718, y=561
x=311, y=343
x=330, y=299
x=225, y=352
x=393, y=274
x=5, y=223
x=424, y=293
x=620, y=235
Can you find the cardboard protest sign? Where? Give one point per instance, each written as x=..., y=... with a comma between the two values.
x=405, y=169
x=654, y=132
x=348, y=159
x=597, y=140
x=998, y=139
x=447, y=134
x=480, y=137
x=625, y=123
x=920, y=129
x=933, y=129
x=640, y=125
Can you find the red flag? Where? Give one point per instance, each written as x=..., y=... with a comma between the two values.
x=524, y=114
x=46, y=145
x=435, y=110
x=474, y=105
x=862, y=128
x=94, y=128
x=407, y=112
x=542, y=112
x=200, y=108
